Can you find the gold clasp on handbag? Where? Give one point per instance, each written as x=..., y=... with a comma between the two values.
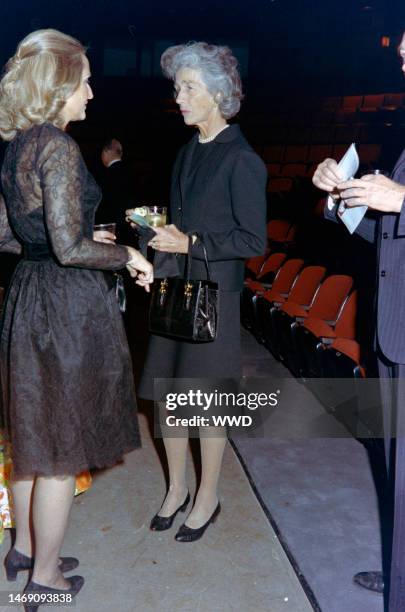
x=163, y=286
x=188, y=290
x=162, y=291
x=188, y=293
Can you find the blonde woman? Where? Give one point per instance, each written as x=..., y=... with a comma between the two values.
x=66, y=373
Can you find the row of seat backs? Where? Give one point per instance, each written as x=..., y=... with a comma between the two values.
x=327, y=310
x=362, y=103
x=303, y=289
x=367, y=103
x=326, y=305
x=307, y=154
x=323, y=131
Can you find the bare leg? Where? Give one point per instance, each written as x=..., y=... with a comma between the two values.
x=21, y=492
x=51, y=506
x=212, y=450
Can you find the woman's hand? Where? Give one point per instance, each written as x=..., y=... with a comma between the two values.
x=104, y=236
x=128, y=213
x=140, y=268
x=375, y=191
x=169, y=239
x=327, y=177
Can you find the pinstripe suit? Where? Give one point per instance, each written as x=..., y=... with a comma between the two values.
x=387, y=231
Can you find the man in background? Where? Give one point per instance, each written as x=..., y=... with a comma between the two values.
x=117, y=189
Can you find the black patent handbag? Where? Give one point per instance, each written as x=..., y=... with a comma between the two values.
x=186, y=309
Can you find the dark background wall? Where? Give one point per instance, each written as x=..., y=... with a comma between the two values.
x=287, y=49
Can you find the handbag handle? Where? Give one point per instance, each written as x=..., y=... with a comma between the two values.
x=189, y=258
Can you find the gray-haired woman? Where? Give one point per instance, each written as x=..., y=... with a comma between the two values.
x=218, y=196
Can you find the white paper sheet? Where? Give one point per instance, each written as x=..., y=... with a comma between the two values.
x=348, y=166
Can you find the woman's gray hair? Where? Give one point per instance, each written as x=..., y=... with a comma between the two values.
x=218, y=67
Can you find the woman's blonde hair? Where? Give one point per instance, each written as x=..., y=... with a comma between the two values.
x=44, y=72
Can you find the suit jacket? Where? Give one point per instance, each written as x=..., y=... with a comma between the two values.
x=223, y=199
x=118, y=195
x=388, y=232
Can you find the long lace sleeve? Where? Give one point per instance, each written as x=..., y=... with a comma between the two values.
x=8, y=244
x=63, y=174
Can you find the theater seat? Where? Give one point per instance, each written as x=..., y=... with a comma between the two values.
x=294, y=170
x=342, y=359
x=280, y=233
x=326, y=306
x=393, y=101
x=296, y=153
x=280, y=185
x=264, y=279
x=302, y=293
x=278, y=293
x=273, y=153
x=314, y=334
x=273, y=169
x=253, y=265
x=317, y=153
x=372, y=103
x=351, y=103
x=369, y=153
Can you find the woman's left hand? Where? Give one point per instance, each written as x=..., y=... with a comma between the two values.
x=104, y=236
x=169, y=239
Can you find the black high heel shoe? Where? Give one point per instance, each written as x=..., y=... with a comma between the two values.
x=16, y=562
x=33, y=588
x=187, y=534
x=161, y=523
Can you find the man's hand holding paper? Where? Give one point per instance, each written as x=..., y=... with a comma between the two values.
x=375, y=191
x=328, y=176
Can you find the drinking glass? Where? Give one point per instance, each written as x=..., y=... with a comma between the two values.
x=105, y=227
x=157, y=216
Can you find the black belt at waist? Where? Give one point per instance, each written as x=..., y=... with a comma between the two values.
x=36, y=252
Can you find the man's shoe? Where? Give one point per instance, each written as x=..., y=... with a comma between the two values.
x=373, y=581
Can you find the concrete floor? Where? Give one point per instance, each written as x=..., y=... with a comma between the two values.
x=318, y=488
x=239, y=564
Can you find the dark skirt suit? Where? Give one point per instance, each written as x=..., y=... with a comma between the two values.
x=219, y=191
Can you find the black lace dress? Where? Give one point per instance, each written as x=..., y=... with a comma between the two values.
x=66, y=374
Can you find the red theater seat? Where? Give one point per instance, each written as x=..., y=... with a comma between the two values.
x=265, y=300
x=326, y=306
x=264, y=278
x=314, y=334
x=302, y=293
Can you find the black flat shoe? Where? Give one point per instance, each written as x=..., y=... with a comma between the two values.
x=161, y=523
x=35, y=589
x=187, y=534
x=373, y=581
x=16, y=562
